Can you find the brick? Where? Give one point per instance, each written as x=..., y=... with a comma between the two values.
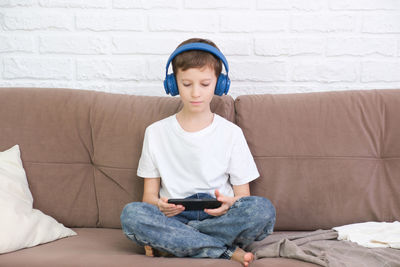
x=307, y=5
x=254, y=23
x=148, y=4
x=103, y=86
x=361, y=46
x=37, y=68
x=187, y=22
x=34, y=20
x=16, y=43
x=380, y=71
x=120, y=70
x=15, y=3
x=398, y=50
x=324, y=71
x=128, y=4
x=365, y=5
x=74, y=3
x=1, y=69
x=273, y=4
x=234, y=46
x=131, y=88
x=155, y=69
x=141, y=45
x=289, y=46
x=85, y=45
x=243, y=88
x=39, y=84
x=323, y=23
x=212, y=4
x=240, y=88
x=114, y=21
x=257, y=70
x=381, y=23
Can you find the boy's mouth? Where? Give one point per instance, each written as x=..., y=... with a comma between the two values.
x=196, y=102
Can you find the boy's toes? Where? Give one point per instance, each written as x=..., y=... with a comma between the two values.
x=248, y=258
x=149, y=251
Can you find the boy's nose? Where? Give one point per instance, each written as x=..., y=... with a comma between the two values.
x=195, y=91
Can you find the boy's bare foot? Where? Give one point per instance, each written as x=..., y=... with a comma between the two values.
x=243, y=257
x=149, y=251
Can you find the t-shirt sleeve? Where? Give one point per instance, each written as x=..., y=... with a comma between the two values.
x=147, y=167
x=242, y=168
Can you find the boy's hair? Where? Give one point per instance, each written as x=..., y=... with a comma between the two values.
x=196, y=58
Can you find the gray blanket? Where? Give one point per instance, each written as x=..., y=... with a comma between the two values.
x=322, y=247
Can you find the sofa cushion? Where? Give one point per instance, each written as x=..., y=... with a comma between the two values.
x=53, y=131
x=109, y=247
x=326, y=159
x=80, y=149
x=20, y=225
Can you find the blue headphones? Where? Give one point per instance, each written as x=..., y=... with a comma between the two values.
x=223, y=82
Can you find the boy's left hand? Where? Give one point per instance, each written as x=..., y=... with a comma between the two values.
x=226, y=201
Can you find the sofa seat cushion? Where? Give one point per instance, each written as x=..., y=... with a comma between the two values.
x=109, y=247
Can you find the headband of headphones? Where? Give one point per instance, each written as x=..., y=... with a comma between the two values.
x=198, y=46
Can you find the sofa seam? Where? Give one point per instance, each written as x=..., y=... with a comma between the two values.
x=78, y=163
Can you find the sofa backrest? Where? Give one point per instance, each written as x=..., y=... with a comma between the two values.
x=80, y=149
x=325, y=159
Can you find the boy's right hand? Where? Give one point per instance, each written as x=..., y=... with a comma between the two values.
x=168, y=209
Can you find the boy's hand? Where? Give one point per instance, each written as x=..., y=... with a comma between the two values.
x=226, y=201
x=168, y=209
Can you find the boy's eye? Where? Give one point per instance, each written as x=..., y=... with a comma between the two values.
x=186, y=84
x=205, y=84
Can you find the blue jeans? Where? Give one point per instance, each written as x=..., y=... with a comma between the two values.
x=196, y=233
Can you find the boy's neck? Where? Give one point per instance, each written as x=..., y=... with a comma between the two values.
x=193, y=122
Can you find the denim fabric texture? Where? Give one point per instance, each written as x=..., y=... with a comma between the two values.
x=197, y=234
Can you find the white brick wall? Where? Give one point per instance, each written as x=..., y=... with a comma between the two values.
x=273, y=46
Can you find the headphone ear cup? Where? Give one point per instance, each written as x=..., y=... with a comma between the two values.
x=170, y=85
x=223, y=84
x=166, y=88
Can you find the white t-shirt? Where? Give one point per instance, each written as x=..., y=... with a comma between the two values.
x=215, y=157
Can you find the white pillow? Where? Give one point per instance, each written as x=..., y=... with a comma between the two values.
x=21, y=226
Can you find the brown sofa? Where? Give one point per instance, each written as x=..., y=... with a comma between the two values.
x=325, y=159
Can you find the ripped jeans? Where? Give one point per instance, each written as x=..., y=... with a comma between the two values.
x=196, y=233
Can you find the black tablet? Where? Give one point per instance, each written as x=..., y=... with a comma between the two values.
x=196, y=204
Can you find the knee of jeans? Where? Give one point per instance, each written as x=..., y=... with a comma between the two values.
x=131, y=214
x=264, y=210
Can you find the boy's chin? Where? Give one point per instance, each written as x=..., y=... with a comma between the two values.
x=197, y=108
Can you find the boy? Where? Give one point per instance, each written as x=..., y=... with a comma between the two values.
x=197, y=154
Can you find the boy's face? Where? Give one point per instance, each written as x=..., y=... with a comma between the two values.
x=196, y=88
